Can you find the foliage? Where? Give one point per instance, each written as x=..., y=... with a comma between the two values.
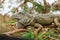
x=25, y=9
x=38, y=7
x=28, y=35
x=12, y=21
x=39, y=36
x=7, y=25
x=53, y=8
x=50, y=34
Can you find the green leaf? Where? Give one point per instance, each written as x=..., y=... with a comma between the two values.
x=38, y=7
x=28, y=35
x=53, y=9
x=25, y=8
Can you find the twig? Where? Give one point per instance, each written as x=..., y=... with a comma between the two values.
x=39, y=27
x=14, y=31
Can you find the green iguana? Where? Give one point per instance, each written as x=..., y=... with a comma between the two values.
x=24, y=19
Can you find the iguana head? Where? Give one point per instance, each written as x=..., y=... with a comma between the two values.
x=18, y=16
x=22, y=15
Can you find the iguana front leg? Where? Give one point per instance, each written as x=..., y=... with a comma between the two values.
x=19, y=25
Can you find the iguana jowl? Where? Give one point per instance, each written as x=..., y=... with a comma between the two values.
x=28, y=19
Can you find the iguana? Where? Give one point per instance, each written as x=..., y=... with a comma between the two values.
x=25, y=19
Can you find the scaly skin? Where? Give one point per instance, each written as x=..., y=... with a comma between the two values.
x=28, y=19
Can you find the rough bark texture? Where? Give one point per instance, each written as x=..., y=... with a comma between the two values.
x=28, y=19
